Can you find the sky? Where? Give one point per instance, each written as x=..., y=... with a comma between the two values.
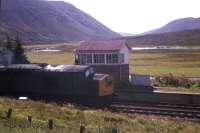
x=137, y=16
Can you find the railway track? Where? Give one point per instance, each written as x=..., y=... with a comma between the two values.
x=182, y=111
x=163, y=105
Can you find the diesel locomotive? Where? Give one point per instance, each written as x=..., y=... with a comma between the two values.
x=54, y=81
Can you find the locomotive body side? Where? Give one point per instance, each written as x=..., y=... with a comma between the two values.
x=54, y=82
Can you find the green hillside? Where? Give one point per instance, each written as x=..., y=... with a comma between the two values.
x=184, y=38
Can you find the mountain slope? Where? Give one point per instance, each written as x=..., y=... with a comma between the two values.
x=178, y=25
x=182, y=38
x=49, y=21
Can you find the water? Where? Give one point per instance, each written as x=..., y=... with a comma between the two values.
x=46, y=50
x=165, y=48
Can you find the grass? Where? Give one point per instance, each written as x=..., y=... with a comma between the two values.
x=178, y=62
x=51, y=57
x=68, y=118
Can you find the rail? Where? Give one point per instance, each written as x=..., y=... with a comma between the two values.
x=181, y=111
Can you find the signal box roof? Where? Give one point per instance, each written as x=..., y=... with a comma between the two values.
x=108, y=45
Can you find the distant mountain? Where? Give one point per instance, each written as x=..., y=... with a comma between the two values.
x=181, y=38
x=126, y=34
x=39, y=21
x=178, y=25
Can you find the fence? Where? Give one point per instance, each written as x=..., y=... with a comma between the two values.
x=49, y=126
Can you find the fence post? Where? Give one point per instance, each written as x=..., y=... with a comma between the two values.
x=30, y=119
x=82, y=129
x=9, y=113
x=114, y=130
x=50, y=124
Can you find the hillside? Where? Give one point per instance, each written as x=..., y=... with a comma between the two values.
x=183, y=38
x=178, y=25
x=39, y=21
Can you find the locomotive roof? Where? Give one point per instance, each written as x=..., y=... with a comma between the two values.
x=52, y=68
x=66, y=68
x=1, y=66
x=24, y=66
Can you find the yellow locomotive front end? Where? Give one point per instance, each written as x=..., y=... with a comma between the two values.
x=105, y=84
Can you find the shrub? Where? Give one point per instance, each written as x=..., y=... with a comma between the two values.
x=15, y=46
x=196, y=84
x=170, y=80
x=20, y=57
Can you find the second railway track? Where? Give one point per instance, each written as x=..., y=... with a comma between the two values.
x=182, y=111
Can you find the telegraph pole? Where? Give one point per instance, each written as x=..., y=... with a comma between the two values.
x=0, y=5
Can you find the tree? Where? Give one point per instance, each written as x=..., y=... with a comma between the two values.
x=6, y=51
x=1, y=44
x=13, y=49
x=20, y=57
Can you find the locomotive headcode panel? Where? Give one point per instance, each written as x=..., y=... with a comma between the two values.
x=105, y=84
